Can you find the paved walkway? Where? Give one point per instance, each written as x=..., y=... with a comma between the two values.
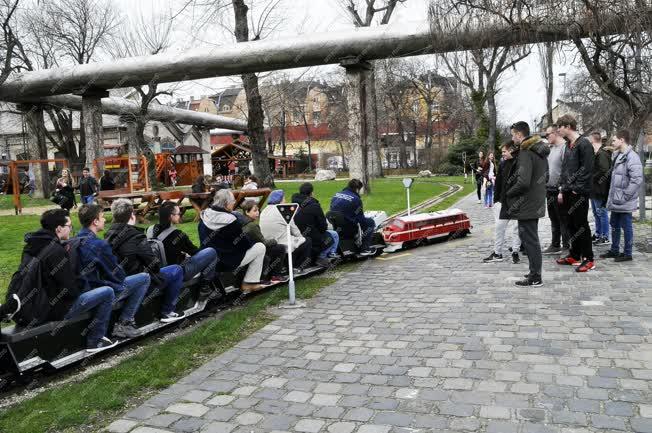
x=435, y=341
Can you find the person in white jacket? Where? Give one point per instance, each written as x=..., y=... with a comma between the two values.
x=273, y=226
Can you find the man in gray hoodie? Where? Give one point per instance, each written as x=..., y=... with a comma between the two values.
x=626, y=180
x=557, y=220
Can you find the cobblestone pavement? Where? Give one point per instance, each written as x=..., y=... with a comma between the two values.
x=435, y=341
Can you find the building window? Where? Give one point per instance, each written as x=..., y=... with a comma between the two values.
x=316, y=117
x=155, y=130
x=226, y=107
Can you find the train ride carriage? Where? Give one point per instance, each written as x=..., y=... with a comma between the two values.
x=412, y=230
x=54, y=345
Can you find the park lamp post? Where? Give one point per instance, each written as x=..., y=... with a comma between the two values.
x=407, y=183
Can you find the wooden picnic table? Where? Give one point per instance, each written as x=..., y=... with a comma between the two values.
x=150, y=198
x=201, y=200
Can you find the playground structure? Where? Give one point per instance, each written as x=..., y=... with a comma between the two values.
x=14, y=182
x=133, y=171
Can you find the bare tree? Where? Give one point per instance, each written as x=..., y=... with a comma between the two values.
x=364, y=17
x=10, y=47
x=478, y=70
x=140, y=36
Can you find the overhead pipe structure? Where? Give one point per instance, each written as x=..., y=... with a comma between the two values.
x=121, y=106
x=369, y=43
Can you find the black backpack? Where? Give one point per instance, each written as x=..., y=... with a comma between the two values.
x=27, y=286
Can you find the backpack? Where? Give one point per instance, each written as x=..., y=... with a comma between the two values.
x=26, y=288
x=156, y=243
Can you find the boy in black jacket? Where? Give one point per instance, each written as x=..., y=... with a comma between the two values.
x=131, y=247
x=575, y=189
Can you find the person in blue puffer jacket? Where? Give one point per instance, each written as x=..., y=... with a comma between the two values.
x=348, y=203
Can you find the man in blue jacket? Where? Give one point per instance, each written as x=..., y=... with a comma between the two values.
x=348, y=203
x=99, y=267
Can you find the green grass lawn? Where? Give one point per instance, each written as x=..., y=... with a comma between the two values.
x=95, y=401
x=7, y=201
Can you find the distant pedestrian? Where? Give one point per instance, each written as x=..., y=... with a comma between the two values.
x=526, y=195
x=626, y=181
x=489, y=181
x=575, y=188
x=106, y=181
x=478, y=170
x=173, y=176
x=600, y=188
x=88, y=187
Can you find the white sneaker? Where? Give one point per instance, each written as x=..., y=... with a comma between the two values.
x=172, y=317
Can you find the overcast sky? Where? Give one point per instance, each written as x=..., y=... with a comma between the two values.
x=522, y=95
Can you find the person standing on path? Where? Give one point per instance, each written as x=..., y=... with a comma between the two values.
x=574, y=190
x=626, y=180
x=560, y=238
x=526, y=195
x=600, y=189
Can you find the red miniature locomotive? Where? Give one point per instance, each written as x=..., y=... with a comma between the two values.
x=418, y=228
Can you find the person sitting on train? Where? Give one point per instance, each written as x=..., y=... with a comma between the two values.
x=131, y=247
x=273, y=226
x=220, y=229
x=273, y=269
x=348, y=204
x=311, y=221
x=179, y=249
x=98, y=266
x=66, y=300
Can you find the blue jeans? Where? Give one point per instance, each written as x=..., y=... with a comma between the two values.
x=100, y=299
x=622, y=220
x=133, y=290
x=489, y=195
x=204, y=261
x=174, y=282
x=601, y=216
x=368, y=229
x=332, y=248
x=87, y=199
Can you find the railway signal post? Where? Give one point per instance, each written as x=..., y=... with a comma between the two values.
x=407, y=183
x=288, y=211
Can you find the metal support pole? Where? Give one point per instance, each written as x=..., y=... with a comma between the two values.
x=408, y=200
x=290, y=267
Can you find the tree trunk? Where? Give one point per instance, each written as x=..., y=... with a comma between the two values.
x=256, y=116
x=550, y=81
x=493, y=119
x=283, y=149
x=36, y=127
x=402, y=149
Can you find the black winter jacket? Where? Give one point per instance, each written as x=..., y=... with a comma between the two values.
x=526, y=183
x=311, y=221
x=577, y=168
x=504, y=167
x=601, y=174
x=135, y=255
x=177, y=244
x=58, y=278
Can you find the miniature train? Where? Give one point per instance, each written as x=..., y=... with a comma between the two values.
x=55, y=345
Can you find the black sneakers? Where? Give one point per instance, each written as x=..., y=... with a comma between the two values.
x=125, y=330
x=552, y=250
x=609, y=255
x=623, y=258
x=103, y=344
x=493, y=257
x=515, y=258
x=530, y=281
